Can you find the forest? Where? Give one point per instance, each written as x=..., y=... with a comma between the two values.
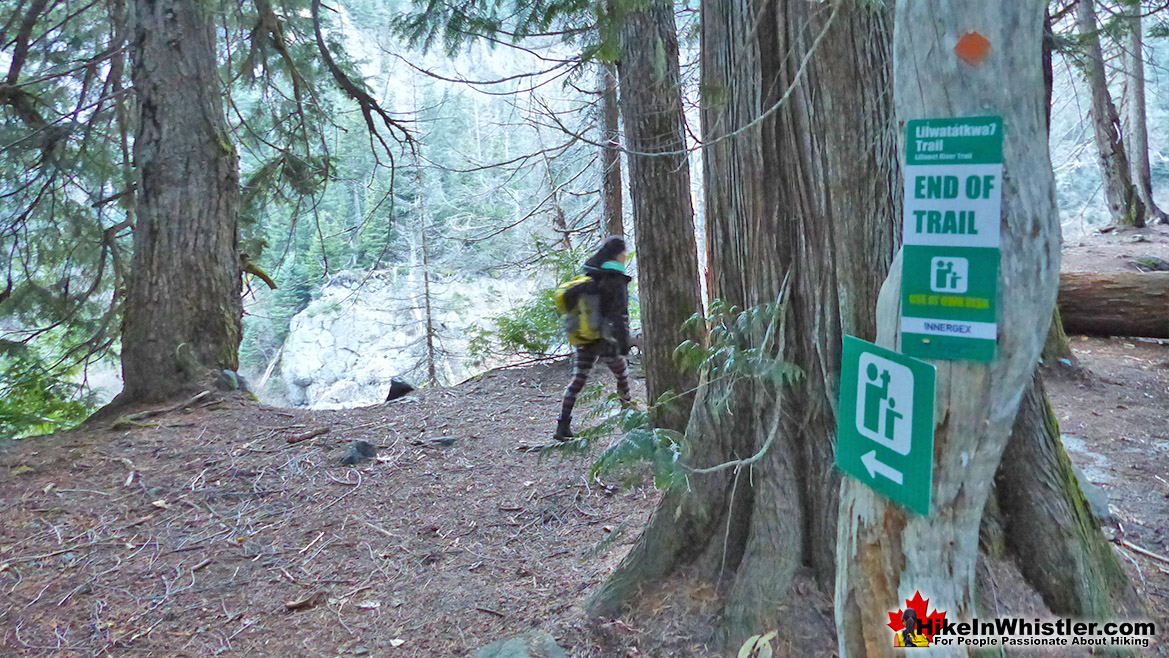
x=290, y=303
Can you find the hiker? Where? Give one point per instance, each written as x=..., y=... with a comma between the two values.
x=608, y=281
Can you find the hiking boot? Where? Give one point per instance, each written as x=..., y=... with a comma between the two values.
x=563, y=432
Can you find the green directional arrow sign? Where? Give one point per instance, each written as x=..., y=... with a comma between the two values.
x=885, y=432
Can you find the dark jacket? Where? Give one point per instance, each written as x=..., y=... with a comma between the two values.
x=612, y=288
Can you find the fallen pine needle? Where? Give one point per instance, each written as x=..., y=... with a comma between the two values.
x=379, y=529
x=311, y=543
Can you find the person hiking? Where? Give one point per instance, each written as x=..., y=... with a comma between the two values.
x=607, y=280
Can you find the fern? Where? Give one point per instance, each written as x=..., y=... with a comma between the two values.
x=742, y=345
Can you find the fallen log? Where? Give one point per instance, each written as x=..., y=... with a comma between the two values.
x=1115, y=303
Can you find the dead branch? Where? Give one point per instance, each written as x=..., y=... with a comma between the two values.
x=305, y=436
x=132, y=420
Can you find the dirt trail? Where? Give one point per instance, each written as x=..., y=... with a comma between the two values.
x=427, y=551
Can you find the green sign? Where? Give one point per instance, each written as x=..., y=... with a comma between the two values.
x=950, y=264
x=885, y=435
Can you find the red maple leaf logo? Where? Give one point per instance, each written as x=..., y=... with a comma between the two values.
x=930, y=623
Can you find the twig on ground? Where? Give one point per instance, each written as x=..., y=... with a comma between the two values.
x=311, y=434
x=34, y=558
x=342, y=496
x=311, y=544
x=1147, y=553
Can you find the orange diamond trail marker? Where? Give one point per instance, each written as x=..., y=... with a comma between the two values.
x=972, y=48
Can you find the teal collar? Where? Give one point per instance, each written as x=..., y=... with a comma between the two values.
x=616, y=266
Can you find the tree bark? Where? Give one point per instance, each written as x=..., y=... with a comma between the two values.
x=1115, y=303
x=1124, y=204
x=183, y=305
x=885, y=554
x=805, y=192
x=614, y=212
x=1038, y=508
x=1138, y=131
x=1048, y=525
x=1057, y=347
x=663, y=217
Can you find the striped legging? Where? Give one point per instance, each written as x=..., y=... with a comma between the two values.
x=586, y=358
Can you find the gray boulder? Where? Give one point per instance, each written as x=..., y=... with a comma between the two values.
x=530, y=645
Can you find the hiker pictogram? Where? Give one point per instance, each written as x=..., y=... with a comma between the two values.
x=885, y=403
x=949, y=275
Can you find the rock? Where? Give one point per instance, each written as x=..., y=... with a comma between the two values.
x=398, y=388
x=635, y=340
x=228, y=380
x=343, y=349
x=1097, y=499
x=1150, y=264
x=358, y=452
x=531, y=645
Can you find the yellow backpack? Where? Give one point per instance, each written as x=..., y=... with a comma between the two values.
x=582, y=323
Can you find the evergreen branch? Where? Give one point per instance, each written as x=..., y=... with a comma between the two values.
x=20, y=51
x=368, y=105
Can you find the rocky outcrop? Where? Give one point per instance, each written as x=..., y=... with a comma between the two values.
x=367, y=328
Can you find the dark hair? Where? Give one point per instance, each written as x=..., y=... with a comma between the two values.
x=613, y=245
x=909, y=613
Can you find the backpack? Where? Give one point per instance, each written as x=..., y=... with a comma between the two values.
x=582, y=323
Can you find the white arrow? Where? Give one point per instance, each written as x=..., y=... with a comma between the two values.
x=877, y=466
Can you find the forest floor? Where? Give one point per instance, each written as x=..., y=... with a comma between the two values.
x=211, y=534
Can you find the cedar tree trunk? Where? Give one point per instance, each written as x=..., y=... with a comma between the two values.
x=807, y=192
x=1138, y=130
x=1124, y=204
x=611, y=153
x=659, y=181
